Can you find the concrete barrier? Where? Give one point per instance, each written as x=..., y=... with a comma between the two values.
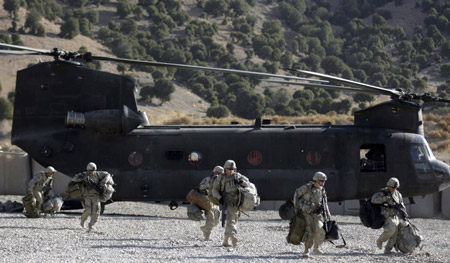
x=14, y=172
x=445, y=203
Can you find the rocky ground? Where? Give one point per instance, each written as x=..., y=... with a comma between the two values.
x=148, y=232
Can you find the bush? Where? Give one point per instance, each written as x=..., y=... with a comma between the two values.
x=218, y=111
x=70, y=28
x=6, y=109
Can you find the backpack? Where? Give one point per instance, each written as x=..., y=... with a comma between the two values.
x=29, y=205
x=331, y=230
x=194, y=213
x=249, y=197
x=370, y=214
x=297, y=228
x=408, y=239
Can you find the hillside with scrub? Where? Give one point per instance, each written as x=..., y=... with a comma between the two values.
x=395, y=44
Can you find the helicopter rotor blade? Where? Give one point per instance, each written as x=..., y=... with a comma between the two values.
x=429, y=98
x=40, y=51
x=325, y=86
x=18, y=52
x=355, y=84
x=87, y=56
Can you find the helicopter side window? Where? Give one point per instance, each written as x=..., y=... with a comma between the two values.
x=372, y=158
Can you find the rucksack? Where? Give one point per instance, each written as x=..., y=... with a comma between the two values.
x=297, y=228
x=29, y=205
x=370, y=214
x=249, y=197
x=408, y=239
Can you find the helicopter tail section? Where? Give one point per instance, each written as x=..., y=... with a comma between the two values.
x=56, y=102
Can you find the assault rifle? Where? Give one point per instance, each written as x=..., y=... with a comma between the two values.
x=224, y=205
x=324, y=213
x=96, y=187
x=401, y=209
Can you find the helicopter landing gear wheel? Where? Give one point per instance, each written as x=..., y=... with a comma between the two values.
x=286, y=210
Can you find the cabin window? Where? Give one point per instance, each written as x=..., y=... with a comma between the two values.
x=372, y=158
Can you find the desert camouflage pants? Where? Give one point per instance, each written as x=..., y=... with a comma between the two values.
x=390, y=231
x=231, y=218
x=39, y=200
x=91, y=208
x=314, y=230
x=212, y=219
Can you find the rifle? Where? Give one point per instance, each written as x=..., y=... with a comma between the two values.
x=95, y=186
x=224, y=205
x=324, y=213
x=400, y=208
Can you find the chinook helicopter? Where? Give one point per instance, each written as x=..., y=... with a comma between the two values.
x=67, y=115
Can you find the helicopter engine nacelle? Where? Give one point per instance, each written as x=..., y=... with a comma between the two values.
x=111, y=121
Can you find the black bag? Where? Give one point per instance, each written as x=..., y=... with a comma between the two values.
x=370, y=215
x=297, y=228
x=331, y=230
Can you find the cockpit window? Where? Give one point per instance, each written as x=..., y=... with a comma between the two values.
x=372, y=158
x=421, y=154
x=418, y=153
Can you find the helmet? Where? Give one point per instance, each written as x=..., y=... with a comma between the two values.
x=218, y=168
x=393, y=182
x=319, y=176
x=50, y=170
x=91, y=167
x=230, y=164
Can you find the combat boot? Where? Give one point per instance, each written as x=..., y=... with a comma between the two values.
x=317, y=250
x=82, y=223
x=234, y=241
x=206, y=234
x=306, y=253
x=387, y=251
x=91, y=227
x=225, y=241
x=379, y=243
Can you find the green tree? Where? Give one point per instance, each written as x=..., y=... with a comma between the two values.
x=70, y=28
x=12, y=6
x=6, y=109
x=248, y=105
x=85, y=27
x=124, y=8
x=164, y=89
x=33, y=23
x=218, y=111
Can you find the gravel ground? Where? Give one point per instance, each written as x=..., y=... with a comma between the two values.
x=148, y=232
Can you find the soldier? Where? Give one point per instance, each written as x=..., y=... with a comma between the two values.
x=225, y=190
x=393, y=211
x=310, y=199
x=42, y=180
x=212, y=216
x=93, y=185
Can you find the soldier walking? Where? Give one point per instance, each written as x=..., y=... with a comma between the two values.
x=212, y=216
x=310, y=200
x=93, y=184
x=39, y=182
x=226, y=191
x=393, y=211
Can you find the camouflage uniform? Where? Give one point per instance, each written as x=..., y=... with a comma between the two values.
x=91, y=197
x=212, y=216
x=308, y=201
x=36, y=186
x=228, y=186
x=392, y=220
